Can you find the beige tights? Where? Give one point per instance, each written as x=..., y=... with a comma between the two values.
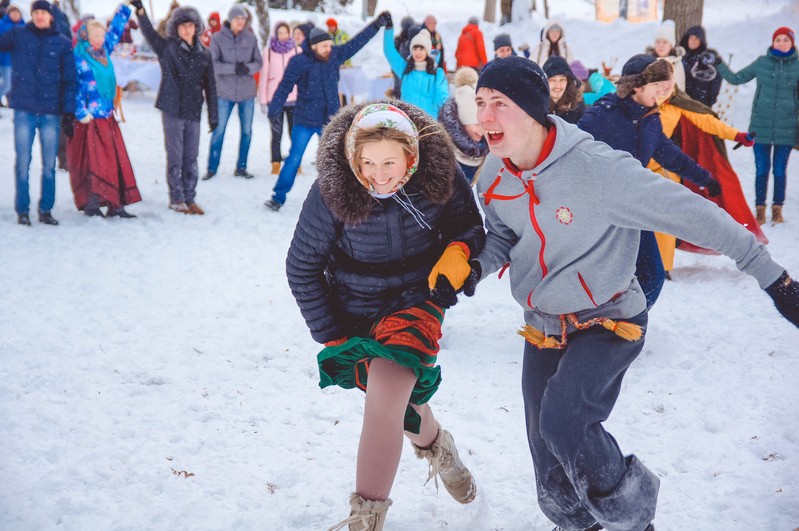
x=387, y=393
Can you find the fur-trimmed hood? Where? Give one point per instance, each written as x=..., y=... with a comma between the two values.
x=348, y=200
x=182, y=15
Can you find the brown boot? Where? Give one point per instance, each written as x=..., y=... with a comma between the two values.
x=194, y=208
x=444, y=462
x=776, y=214
x=365, y=515
x=275, y=168
x=760, y=214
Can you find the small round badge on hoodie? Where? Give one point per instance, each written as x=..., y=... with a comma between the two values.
x=564, y=215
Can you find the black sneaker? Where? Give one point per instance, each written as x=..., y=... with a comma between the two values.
x=243, y=173
x=23, y=219
x=47, y=218
x=208, y=175
x=272, y=204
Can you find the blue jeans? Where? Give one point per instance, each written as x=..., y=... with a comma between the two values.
x=246, y=110
x=762, y=167
x=300, y=137
x=581, y=475
x=25, y=126
x=5, y=80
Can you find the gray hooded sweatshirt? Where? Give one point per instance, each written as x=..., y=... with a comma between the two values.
x=569, y=229
x=228, y=49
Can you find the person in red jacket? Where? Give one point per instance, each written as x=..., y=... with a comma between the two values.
x=471, y=49
x=214, y=25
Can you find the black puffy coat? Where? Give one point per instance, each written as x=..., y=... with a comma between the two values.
x=355, y=257
x=702, y=81
x=186, y=72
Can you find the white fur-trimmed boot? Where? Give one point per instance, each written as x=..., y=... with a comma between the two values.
x=445, y=463
x=365, y=515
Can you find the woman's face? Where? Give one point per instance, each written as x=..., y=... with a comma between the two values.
x=557, y=86
x=96, y=37
x=694, y=42
x=299, y=36
x=554, y=35
x=14, y=15
x=651, y=93
x=383, y=164
x=419, y=54
x=504, y=51
x=282, y=33
x=662, y=47
x=782, y=43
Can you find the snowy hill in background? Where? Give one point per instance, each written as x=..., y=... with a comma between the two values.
x=157, y=374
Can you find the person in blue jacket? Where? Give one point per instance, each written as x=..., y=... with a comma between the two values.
x=43, y=91
x=629, y=121
x=422, y=83
x=13, y=18
x=315, y=72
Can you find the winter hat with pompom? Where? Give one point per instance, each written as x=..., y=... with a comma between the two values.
x=667, y=31
x=464, y=76
x=422, y=39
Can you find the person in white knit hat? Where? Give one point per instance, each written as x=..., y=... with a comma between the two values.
x=666, y=48
x=422, y=83
x=459, y=117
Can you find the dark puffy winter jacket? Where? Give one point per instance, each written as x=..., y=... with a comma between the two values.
x=357, y=257
x=623, y=124
x=186, y=72
x=43, y=79
x=5, y=25
x=317, y=81
x=702, y=81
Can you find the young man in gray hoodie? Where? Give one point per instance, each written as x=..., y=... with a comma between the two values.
x=565, y=213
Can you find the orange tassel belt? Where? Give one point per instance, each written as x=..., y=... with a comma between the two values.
x=537, y=338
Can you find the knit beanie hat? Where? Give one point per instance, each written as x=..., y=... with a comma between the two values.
x=557, y=66
x=667, y=31
x=474, y=20
x=43, y=5
x=422, y=39
x=331, y=23
x=579, y=70
x=503, y=39
x=317, y=35
x=637, y=63
x=521, y=80
x=784, y=30
x=236, y=11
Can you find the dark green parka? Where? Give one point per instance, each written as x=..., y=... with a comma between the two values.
x=775, y=109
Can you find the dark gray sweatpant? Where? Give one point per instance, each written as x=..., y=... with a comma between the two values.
x=581, y=475
x=182, y=142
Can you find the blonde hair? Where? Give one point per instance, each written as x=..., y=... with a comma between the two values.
x=378, y=134
x=93, y=23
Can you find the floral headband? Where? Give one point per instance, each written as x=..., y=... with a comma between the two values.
x=385, y=116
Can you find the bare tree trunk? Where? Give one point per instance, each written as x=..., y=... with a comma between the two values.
x=490, y=12
x=371, y=7
x=262, y=12
x=506, y=11
x=684, y=13
x=546, y=9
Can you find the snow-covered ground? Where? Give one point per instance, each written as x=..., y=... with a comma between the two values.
x=156, y=373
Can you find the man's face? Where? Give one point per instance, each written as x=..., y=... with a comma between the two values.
x=651, y=93
x=331, y=29
x=557, y=86
x=323, y=49
x=504, y=51
x=693, y=42
x=186, y=31
x=508, y=129
x=237, y=24
x=42, y=19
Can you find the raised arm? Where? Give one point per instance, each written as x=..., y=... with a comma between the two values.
x=116, y=28
x=157, y=43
